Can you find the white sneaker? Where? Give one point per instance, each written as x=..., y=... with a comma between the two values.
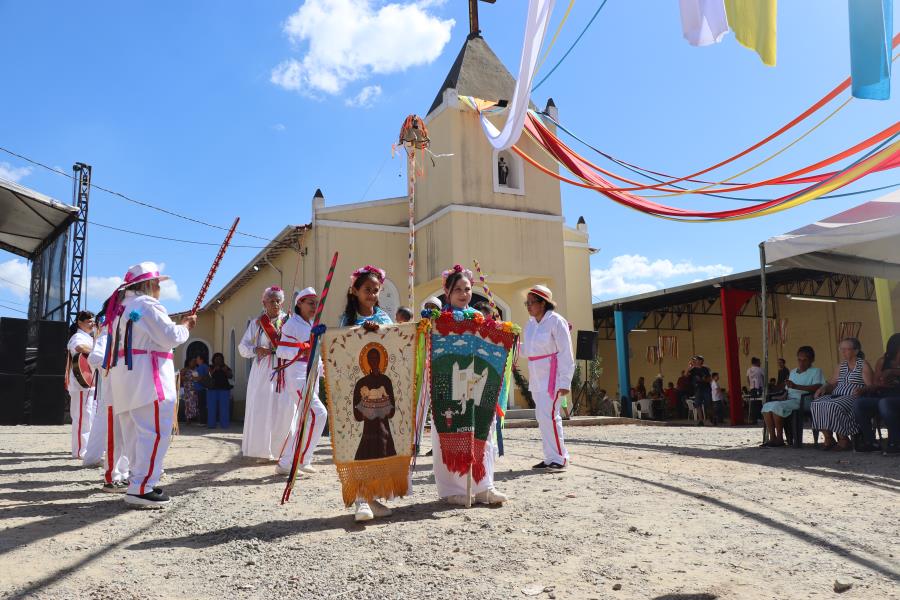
x=279, y=470
x=363, y=511
x=379, y=509
x=490, y=496
x=457, y=500
x=309, y=469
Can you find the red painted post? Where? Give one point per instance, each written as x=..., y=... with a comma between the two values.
x=732, y=301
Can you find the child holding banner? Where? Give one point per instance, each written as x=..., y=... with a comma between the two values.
x=451, y=484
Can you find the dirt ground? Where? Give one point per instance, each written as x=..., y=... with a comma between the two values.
x=674, y=513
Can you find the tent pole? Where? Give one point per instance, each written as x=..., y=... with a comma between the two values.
x=765, y=318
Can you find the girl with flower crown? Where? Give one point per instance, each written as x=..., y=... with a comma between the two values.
x=363, y=310
x=452, y=486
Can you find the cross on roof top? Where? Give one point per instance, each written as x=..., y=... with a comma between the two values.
x=474, y=30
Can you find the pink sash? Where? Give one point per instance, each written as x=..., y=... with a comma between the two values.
x=554, y=363
x=155, y=355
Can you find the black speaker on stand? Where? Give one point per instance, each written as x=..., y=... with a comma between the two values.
x=13, y=336
x=586, y=350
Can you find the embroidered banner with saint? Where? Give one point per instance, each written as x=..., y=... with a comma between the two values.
x=467, y=367
x=371, y=411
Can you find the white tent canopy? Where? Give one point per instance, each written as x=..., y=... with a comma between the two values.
x=30, y=220
x=864, y=240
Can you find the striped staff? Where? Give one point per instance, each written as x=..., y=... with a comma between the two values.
x=310, y=383
x=484, y=284
x=214, y=268
x=199, y=300
x=487, y=290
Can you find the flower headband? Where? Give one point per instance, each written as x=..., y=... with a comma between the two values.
x=368, y=269
x=455, y=269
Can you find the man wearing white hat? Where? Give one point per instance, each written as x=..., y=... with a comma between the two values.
x=547, y=345
x=143, y=379
x=294, y=348
x=79, y=383
x=259, y=343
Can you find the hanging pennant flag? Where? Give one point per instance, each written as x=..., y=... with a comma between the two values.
x=871, y=29
x=754, y=25
x=703, y=22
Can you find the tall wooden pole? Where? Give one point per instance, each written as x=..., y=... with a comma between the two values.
x=411, y=191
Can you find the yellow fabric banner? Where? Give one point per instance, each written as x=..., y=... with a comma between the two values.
x=754, y=25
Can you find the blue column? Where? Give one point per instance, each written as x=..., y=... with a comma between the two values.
x=626, y=320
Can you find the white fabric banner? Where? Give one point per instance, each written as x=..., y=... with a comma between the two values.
x=703, y=22
x=539, y=12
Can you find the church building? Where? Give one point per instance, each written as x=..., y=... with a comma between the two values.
x=477, y=203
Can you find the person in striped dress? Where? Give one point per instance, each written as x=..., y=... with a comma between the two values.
x=832, y=407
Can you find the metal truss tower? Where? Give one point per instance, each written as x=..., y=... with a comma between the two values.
x=81, y=194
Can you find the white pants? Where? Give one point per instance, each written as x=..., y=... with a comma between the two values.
x=147, y=431
x=97, y=441
x=550, y=425
x=317, y=419
x=453, y=484
x=81, y=408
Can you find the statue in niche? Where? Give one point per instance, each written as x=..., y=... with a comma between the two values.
x=502, y=171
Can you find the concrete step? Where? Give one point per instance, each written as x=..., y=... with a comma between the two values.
x=520, y=413
x=585, y=422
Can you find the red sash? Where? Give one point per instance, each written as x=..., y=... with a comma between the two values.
x=273, y=334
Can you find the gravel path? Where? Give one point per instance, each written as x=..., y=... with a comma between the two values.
x=668, y=513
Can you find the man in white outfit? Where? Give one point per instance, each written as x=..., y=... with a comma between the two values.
x=547, y=345
x=81, y=391
x=294, y=344
x=106, y=433
x=259, y=343
x=143, y=380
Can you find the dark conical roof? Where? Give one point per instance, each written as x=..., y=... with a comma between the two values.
x=477, y=72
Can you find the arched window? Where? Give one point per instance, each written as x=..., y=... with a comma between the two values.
x=389, y=298
x=509, y=173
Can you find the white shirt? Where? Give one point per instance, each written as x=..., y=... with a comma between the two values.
x=716, y=391
x=152, y=331
x=79, y=338
x=549, y=336
x=756, y=377
x=296, y=329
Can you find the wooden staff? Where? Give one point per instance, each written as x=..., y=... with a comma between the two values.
x=214, y=268
x=308, y=386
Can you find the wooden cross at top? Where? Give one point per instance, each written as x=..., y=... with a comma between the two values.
x=474, y=30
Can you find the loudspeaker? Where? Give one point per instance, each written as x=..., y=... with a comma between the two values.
x=586, y=345
x=13, y=337
x=48, y=397
x=12, y=400
x=52, y=339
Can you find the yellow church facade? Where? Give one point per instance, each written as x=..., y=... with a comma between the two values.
x=465, y=208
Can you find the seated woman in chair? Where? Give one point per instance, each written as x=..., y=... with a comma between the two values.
x=804, y=379
x=832, y=408
x=882, y=400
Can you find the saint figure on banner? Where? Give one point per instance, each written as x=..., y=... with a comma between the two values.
x=374, y=404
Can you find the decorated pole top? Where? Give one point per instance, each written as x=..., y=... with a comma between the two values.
x=413, y=133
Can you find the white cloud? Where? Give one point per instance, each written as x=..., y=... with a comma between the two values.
x=366, y=97
x=11, y=173
x=168, y=290
x=631, y=274
x=15, y=277
x=349, y=40
x=99, y=288
x=279, y=127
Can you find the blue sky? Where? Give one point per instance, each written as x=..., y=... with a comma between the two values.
x=225, y=108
